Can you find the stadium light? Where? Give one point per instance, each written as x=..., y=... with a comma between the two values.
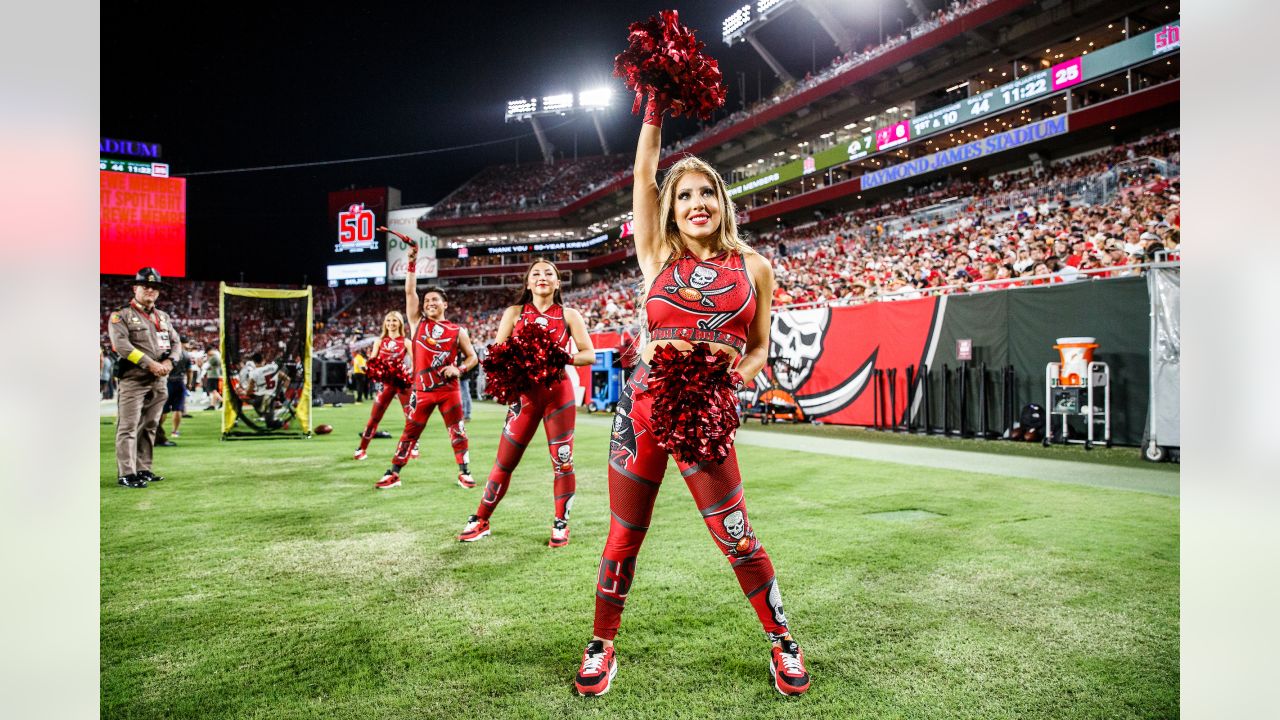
x=595, y=98
x=521, y=108
x=553, y=103
x=731, y=25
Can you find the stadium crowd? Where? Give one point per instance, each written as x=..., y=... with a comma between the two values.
x=537, y=186
x=839, y=65
x=1044, y=224
x=529, y=186
x=1025, y=227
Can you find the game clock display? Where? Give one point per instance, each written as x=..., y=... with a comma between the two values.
x=1060, y=76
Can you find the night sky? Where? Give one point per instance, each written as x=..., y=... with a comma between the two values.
x=224, y=89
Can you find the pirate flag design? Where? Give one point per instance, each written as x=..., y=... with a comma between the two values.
x=622, y=441
x=704, y=296
x=823, y=358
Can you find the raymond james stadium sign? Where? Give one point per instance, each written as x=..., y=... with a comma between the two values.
x=968, y=152
x=109, y=146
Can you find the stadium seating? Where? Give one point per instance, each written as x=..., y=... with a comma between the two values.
x=530, y=186
x=536, y=186
x=894, y=249
x=838, y=66
x=950, y=237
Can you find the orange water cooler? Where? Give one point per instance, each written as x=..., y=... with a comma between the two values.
x=1072, y=387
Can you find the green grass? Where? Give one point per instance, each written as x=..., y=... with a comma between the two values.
x=1116, y=456
x=269, y=580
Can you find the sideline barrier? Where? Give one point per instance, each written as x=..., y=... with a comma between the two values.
x=893, y=365
x=836, y=355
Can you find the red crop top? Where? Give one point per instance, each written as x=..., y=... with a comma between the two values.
x=709, y=300
x=553, y=320
x=394, y=348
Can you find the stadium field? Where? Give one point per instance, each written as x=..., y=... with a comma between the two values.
x=268, y=579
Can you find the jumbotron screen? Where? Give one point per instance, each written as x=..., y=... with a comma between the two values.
x=143, y=224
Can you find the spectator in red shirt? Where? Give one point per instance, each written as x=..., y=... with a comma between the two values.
x=1078, y=249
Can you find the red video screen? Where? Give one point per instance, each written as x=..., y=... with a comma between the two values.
x=143, y=224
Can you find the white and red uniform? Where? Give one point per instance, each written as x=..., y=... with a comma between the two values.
x=435, y=347
x=555, y=409
x=395, y=350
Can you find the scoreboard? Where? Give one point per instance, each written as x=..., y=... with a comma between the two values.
x=998, y=99
x=1105, y=61
x=154, y=169
x=357, y=251
x=1037, y=85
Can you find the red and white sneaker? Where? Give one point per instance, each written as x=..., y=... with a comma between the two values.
x=474, y=529
x=359, y=454
x=597, y=670
x=786, y=665
x=465, y=480
x=413, y=451
x=390, y=480
x=559, y=534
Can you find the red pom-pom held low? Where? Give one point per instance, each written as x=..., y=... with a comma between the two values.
x=382, y=369
x=664, y=60
x=528, y=359
x=695, y=406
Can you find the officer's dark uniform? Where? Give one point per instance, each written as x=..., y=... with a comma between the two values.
x=137, y=334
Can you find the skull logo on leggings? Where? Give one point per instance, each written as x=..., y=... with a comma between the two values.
x=742, y=538
x=564, y=457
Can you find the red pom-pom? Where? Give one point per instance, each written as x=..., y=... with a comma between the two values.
x=695, y=408
x=530, y=358
x=665, y=60
x=382, y=369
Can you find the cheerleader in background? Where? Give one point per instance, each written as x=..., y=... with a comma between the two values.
x=539, y=303
x=389, y=352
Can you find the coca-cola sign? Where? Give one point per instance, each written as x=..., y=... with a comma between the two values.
x=406, y=222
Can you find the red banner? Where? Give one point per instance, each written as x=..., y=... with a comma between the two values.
x=822, y=359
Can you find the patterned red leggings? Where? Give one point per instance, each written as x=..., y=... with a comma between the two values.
x=636, y=466
x=380, y=404
x=421, y=403
x=555, y=408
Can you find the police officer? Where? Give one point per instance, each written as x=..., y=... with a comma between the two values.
x=148, y=345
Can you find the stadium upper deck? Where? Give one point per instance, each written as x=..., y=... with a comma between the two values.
x=957, y=50
x=805, y=150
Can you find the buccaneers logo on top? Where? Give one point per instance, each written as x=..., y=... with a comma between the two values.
x=711, y=289
x=552, y=321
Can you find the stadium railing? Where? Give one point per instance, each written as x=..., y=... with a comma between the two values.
x=990, y=285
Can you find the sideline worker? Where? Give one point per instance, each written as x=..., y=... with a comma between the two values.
x=148, y=345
